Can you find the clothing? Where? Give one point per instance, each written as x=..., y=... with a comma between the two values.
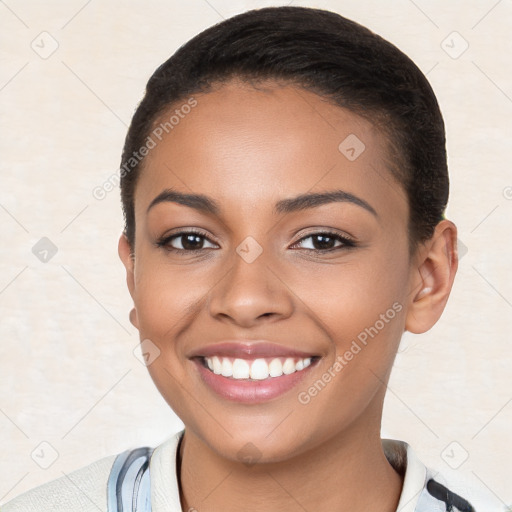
x=85, y=490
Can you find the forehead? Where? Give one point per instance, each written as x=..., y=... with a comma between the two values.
x=248, y=146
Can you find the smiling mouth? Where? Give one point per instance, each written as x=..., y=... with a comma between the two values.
x=256, y=369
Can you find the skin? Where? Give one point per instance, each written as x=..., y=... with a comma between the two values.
x=247, y=148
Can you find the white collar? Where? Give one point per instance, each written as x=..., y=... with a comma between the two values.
x=402, y=457
x=165, y=495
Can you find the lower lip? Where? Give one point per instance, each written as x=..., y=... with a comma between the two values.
x=251, y=391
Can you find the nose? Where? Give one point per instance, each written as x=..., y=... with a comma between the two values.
x=250, y=293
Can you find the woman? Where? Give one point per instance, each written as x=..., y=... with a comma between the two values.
x=284, y=183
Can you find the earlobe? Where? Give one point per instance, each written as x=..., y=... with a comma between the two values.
x=433, y=279
x=133, y=318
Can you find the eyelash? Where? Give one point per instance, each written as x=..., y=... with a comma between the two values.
x=164, y=241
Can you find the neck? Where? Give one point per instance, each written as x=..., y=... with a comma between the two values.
x=346, y=472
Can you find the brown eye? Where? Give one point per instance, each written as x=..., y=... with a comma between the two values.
x=326, y=241
x=185, y=241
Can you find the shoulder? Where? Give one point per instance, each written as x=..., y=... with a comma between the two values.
x=108, y=480
x=84, y=489
x=424, y=490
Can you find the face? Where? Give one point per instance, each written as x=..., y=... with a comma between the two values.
x=315, y=291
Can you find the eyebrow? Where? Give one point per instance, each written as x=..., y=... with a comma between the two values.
x=206, y=204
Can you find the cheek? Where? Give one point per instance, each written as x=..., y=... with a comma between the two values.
x=165, y=296
x=360, y=306
x=166, y=301
x=347, y=298
x=363, y=313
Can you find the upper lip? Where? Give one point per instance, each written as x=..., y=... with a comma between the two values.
x=239, y=349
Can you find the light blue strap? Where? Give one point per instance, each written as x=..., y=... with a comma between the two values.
x=128, y=486
x=427, y=503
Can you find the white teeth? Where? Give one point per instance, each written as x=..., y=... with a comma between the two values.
x=275, y=368
x=258, y=369
x=289, y=366
x=217, y=365
x=227, y=368
x=241, y=369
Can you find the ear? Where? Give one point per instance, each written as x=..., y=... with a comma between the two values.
x=128, y=259
x=432, y=278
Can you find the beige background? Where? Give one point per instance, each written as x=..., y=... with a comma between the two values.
x=69, y=377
